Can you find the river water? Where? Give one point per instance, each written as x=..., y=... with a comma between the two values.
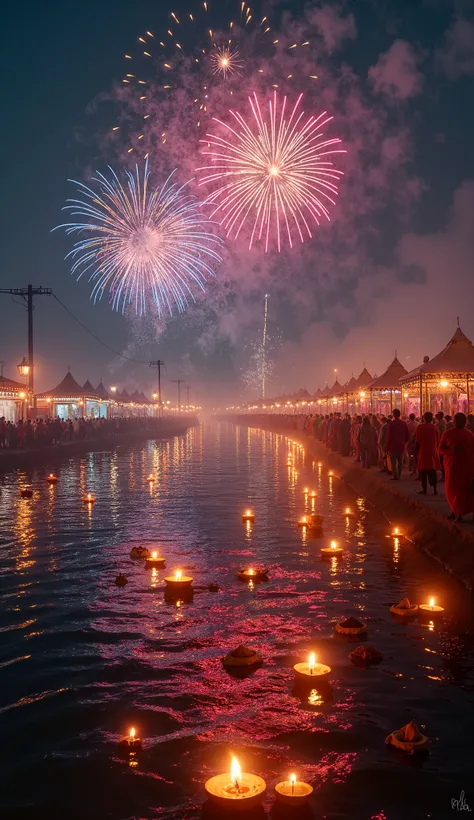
x=82, y=660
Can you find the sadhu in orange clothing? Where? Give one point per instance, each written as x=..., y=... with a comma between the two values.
x=457, y=447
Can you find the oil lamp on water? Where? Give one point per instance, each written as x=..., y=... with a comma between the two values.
x=348, y=513
x=89, y=499
x=253, y=574
x=333, y=551
x=178, y=582
x=131, y=742
x=311, y=672
x=150, y=478
x=249, y=516
x=431, y=608
x=52, y=479
x=236, y=792
x=292, y=791
x=154, y=560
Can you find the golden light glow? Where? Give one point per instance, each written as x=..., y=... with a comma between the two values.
x=251, y=572
x=274, y=170
x=132, y=733
x=235, y=771
x=178, y=575
x=22, y=394
x=292, y=780
x=333, y=545
x=312, y=662
x=432, y=603
x=443, y=383
x=348, y=510
x=154, y=555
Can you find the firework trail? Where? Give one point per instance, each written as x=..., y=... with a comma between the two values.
x=141, y=243
x=274, y=172
x=264, y=346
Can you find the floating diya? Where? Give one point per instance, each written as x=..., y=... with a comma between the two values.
x=348, y=513
x=131, y=742
x=253, y=574
x=52, y=479
x=89, y=499
x=396, y=532
x=121, y=580
x=294, y=792
x=311, y=671
x=365, y=656
x=408, y=738
x=404, y=609
x=248, y=515
x=333, y=551
x=178, y=582
x=150, y=478
x=238, y=791
x=431, y=608
x=140, y=553
x=155, y=560
x=351, y=626
x=242, y=656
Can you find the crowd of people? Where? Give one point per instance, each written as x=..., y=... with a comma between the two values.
x=47, y=432
x=431, y=449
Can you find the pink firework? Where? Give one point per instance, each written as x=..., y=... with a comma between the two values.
x=273, y=173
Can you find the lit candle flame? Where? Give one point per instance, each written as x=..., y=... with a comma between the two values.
x=304, y=519
x=178, y=574
x=132, y=733
x=348, y=512
x=306, y=491
x=333, y=545
x=311, y=662
x=395, y=532
x=293, y=782
x=154, y=555
x=235, y=772
x=251, y=572
x=330, y=473
x=432, y=603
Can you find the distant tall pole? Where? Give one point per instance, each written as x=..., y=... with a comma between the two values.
x=188, y=388
x=158, y=364
x=264, y=346
x=179, y=382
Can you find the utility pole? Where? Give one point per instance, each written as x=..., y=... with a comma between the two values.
x=188, y=388
x=158, y=364
x=179, y=382
x=27, y=294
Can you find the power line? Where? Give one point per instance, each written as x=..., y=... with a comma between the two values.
x=115, y=352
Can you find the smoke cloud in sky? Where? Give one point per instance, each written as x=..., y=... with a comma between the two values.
x=359, y=288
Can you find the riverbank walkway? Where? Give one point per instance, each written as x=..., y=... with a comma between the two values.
x=422, y=518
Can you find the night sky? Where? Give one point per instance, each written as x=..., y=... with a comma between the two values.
x=408, y=282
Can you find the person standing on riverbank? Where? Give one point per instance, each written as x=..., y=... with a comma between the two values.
x=427, y=442
x=457, y=447
x=368, y=442
x=396, y=442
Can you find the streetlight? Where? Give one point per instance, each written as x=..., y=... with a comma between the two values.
x=23, y=367
x=113, y=389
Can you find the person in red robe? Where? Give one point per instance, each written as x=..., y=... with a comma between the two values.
x=457, y=447
x=426, y=443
